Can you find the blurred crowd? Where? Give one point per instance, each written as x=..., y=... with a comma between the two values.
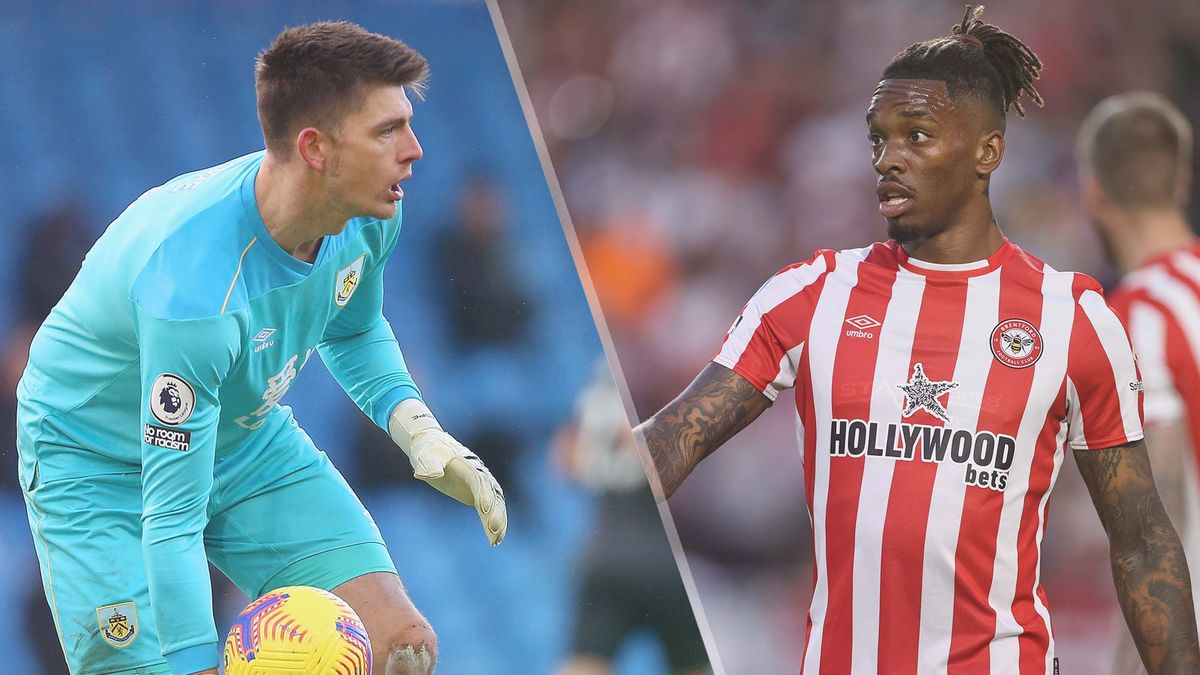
x=702, y=145
x=53, y=240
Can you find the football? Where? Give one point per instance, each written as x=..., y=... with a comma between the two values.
x=298, y=630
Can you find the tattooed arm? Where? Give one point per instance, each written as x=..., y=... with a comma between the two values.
x=1148, y=565
x=1166, y=443
x=715, y=406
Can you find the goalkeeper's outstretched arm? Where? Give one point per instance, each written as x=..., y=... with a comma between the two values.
x=714, y=407
x=448, y=466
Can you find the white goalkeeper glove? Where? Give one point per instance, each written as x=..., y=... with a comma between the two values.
x=448, y=466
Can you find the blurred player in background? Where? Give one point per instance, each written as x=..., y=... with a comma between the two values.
x=628, y=578
x=150, y=431
x=1135, y=159
x=940, y=377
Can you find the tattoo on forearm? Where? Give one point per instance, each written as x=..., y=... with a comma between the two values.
x=1149, y=569
x=717, y=405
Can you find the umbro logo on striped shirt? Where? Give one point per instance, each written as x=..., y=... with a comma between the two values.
x=1001, y=367
x=861, y=326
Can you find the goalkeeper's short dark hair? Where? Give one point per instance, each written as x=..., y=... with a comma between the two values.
x=313, y=75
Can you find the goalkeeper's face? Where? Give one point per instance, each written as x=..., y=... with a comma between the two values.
x=373, y=152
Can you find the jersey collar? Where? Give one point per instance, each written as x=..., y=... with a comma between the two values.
x=955, y=270
x=265, y=240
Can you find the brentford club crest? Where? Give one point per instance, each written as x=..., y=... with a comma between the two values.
x=1016, y=343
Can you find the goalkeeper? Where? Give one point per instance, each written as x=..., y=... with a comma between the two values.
x=151, y=438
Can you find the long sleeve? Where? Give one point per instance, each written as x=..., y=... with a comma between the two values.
x=182, y=366
x=361, y=351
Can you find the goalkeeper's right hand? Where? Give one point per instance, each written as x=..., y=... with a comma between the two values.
x=440, y=460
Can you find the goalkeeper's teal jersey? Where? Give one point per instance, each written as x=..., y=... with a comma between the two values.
x=173, y=347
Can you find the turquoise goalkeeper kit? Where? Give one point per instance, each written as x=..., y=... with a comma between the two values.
x=151, y=437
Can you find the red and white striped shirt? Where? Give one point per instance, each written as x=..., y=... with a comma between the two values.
x=934, y=404
x=1160, y=303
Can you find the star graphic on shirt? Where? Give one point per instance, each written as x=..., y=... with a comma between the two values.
x=922, y=393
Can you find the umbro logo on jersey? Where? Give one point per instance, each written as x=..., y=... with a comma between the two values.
x=263, y=339
x=862, y=325
x=862, y=322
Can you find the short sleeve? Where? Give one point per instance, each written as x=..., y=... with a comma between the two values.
x=1104, y=387
x=767, y=339
x=1148, y=328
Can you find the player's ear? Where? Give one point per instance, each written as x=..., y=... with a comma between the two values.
x=988, y=153
x=1183, y=186
x=1095, y=202
x=313, y=147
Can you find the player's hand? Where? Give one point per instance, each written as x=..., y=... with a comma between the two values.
x=438, y=459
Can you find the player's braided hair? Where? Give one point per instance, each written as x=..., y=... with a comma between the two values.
x=976, y=58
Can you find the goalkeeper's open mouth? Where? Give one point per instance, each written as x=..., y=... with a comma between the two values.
x=396, y=191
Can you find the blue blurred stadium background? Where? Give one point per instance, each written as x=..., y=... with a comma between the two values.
x=101, y=101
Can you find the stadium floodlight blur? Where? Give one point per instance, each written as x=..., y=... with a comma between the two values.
x=102, y=101
x=733, y=140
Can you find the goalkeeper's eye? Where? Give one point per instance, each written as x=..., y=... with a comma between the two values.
x=388, y=131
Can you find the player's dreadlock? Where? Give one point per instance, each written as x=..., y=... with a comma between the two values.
x=977, y=58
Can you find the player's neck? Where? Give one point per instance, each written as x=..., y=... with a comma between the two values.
x=1147, y=234
x=292, y=209
x=975, y=238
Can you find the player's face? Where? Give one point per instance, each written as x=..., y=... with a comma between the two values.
x=373, y=153
x=923, y=147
